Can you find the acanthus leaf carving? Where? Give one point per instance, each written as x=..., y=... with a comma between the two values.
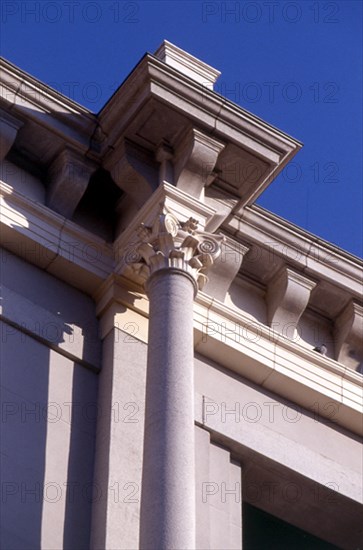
x=169, y=243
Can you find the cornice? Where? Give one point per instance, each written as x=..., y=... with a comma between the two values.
x=30, y=100
x=278, y=220
x=311, y=254
x=16, y=80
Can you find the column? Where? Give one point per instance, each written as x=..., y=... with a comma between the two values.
x=173, y=258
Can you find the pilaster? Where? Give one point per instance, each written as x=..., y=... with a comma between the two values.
x=120, y=426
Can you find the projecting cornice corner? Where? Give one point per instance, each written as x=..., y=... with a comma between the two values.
x=192, y=136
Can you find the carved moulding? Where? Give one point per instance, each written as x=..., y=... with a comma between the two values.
x=170, y=244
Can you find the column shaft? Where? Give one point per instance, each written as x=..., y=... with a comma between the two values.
x=168, y=484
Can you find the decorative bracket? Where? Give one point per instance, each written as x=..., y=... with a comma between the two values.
x=69, y=177
x=9, y=127
x=287, y=297
x=135, y=172
x=349, y=336
x=164, y=155
x=197, y=155
x=224, y=270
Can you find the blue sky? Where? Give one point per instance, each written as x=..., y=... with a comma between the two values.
x=297, y=65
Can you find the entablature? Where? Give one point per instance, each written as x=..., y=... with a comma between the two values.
x=165, y=137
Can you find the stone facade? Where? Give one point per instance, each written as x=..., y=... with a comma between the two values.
x=158, y=370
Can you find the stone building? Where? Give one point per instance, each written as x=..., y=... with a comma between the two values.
x=180, y=368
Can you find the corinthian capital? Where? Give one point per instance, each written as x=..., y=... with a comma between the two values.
x=169, y=243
